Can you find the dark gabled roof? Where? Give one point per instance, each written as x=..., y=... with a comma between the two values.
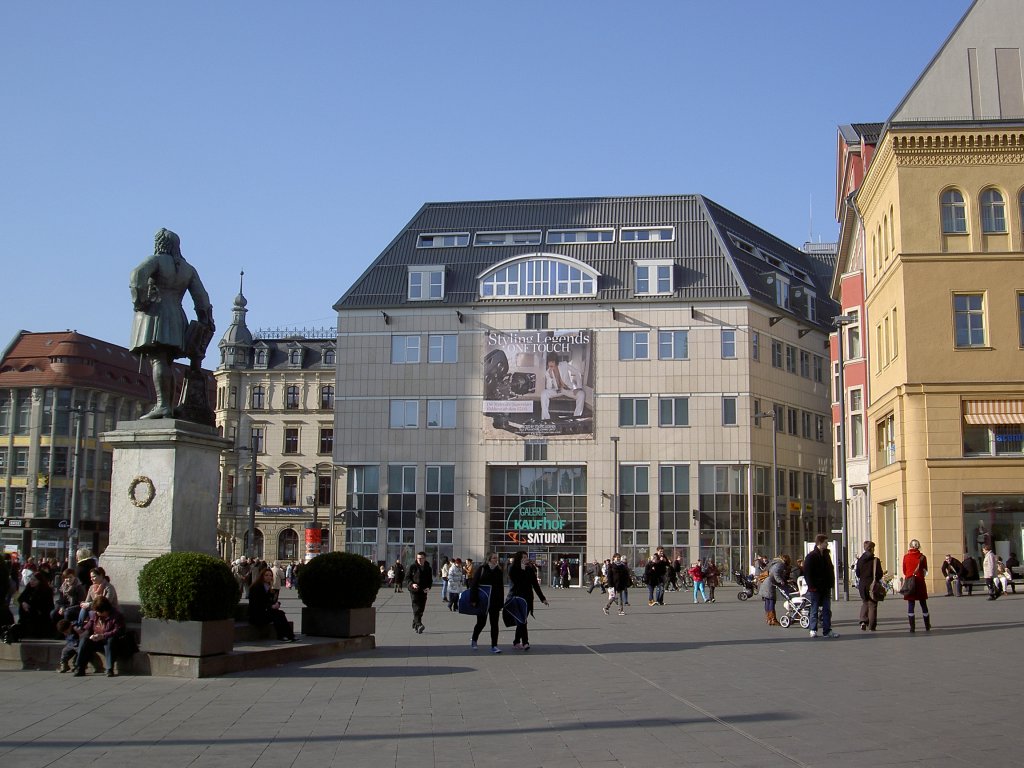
x=710, y=264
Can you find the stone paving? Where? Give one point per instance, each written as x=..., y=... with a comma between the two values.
x=679, y=685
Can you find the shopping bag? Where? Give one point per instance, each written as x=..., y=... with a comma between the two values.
x=514, y=612
x=481, y=604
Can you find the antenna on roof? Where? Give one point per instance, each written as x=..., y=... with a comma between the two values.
x=810, y=218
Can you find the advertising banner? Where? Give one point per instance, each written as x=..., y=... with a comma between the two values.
x=539, y=384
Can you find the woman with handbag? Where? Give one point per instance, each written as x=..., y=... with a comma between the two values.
x=914, y=590
x=489, y=574
x=523, y=578
x=869, y=584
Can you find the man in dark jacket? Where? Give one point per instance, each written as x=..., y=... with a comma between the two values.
x=821, y=578
x=969, y=573
x=619, y=579
x=419, y=579
x=951, y=571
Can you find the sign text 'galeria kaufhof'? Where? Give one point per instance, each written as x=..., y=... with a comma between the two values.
x=539, y=384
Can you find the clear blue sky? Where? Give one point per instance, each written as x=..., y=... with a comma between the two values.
x=294, y=140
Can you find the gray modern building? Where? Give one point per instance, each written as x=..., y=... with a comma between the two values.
x=578, y=376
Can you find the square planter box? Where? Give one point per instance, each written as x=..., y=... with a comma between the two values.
x=341, y=622
x=188, y=638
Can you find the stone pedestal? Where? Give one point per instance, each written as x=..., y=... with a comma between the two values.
x=163, y=495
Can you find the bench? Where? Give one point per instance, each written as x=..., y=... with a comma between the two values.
x=968, y=585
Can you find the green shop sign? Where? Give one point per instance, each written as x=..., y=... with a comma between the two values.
x=535, y=522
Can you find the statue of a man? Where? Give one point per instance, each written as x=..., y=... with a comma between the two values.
x=160, y=330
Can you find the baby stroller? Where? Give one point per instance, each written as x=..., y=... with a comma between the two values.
x=797, y=606
x=746, y=585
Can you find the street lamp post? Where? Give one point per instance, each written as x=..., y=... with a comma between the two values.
x=775, y=480
x=615, y=490
x=251, y=548
x=841, y=322
x=78, y=412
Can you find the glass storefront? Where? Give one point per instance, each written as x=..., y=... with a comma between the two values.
x=996, y=520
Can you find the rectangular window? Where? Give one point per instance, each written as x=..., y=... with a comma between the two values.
x=969, y=317
x=443, y=240
x=567, y=236
x=1020, y=319
x=326, y=439
x=791, y=420
x=323, y=490
x=728, y=343
x=755, y=345
x=672, y=345
x=256, y=439
x=633, y=412
x=780, y=417
x=405, y=349
x=426, y=283
x=782, y=292
x=404, y=414
x=806, y=425
x=291, y=397
x=20, y=461
x=818, y=368
x=289, y=490
x=258, y=398
x=885, y=440
x=794, y=485
x=442, y=348
x=633, y=345
x=728, y=411
x=535, y=450
x=895, y=340
x=853, y=347
x=440, y=414
x=805, y=364
x=776, y=354
x=653, y=277
x=636, y=234
x=327, y=396
x=790, y=358
x=855, y=438
x=291, y=440
x=527, y=237
x=536, y=321
x=819, y=428
x=673, y=412
x=757, y=413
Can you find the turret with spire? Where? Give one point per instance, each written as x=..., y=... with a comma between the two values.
x=236, y=344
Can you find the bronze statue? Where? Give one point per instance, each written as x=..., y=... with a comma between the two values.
x=162, y=333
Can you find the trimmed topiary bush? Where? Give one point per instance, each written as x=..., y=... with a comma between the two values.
x=187, y=586
x=339, y=580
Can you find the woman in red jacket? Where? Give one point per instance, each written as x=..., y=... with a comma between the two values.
x=916, y=564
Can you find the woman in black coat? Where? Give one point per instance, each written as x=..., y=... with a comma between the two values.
x=489, y=575
x=35, y=604
x=264, y=608
x=523, y=579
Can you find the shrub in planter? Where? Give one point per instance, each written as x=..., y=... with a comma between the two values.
x=187, y=586
x=339, y=580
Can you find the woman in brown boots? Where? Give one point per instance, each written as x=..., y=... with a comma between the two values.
x=777, y=578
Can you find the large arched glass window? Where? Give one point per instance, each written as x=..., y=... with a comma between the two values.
x=539, y=275
x=993, y=211
x=288, y=545
x=954, y=212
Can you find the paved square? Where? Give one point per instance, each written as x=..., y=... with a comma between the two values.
x=678, y=685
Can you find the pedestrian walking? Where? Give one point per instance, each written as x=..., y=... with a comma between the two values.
x=419, y=579
x=489, y=574
x=522, y=576
x=697, y=574
x=619, y=579
x=456, y=583
x=916, y=564
x=776, y=579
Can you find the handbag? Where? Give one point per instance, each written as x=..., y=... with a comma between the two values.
x=467, y=608
x=910, y=583
x=877, y=590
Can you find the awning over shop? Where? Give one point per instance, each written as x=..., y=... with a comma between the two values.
x=994, y=411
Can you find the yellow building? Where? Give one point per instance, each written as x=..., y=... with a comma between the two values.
x=942, y=206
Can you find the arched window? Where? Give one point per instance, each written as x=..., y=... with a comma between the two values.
x=954, y=213
x=993, y=211
x=288, y=545
x=258, y=398
x=256, y=551
x=539, y=275
x=291, y=398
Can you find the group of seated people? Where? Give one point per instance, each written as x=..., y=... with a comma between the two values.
x=86, y=618
x=963, y=573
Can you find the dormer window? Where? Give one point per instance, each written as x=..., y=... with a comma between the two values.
x=531, y=237
x=639, y=234
x=295, y=355
x=782, y=292
x=581, y=236
x=653, y=277
x=539, y=275
x=426, y=283
x=262, y=357
x=443, y=240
